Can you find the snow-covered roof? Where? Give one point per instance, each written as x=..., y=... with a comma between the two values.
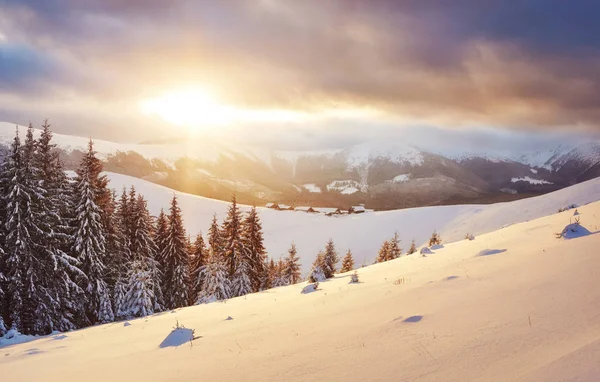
x=327, y=210
x=284, y=206
x=271, y=205
x=304, y=208
x=358, y=208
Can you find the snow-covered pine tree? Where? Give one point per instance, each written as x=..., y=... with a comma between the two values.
x=216, y=284
x=317, y=274
x=384, y=252
x=34, y=296
x=2, y=296
x=412, y=249
x=254, y=243
x=435, y=239
x=198, y=260
x=347, y=262
x=161, y=232
x=215, y=238
x=90, y=239
x=120, y=272
x=53, y=217
x=139, y=300
x=144, y=251
x=234, y=249
x=279, y=278
x=330, y=259
x=291, y=270
x=394, y=247
x=271, y=273
x=174, y=262
x=240, y=283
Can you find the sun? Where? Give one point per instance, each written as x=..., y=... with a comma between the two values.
x=192, y=108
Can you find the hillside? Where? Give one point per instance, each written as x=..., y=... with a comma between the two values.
x=384, y=175
x=516, y=304
x=364, y=233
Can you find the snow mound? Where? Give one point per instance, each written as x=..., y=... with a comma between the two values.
x=490, y=252
x=13, y=337
x=178, y=336
x=574, y=231
x=310, y=288
x=426, y=251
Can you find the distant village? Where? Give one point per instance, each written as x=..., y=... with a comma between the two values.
x=328, y=211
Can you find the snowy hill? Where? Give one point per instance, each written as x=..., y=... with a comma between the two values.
x=364, y=233
x=512, y=305
x=369, y=170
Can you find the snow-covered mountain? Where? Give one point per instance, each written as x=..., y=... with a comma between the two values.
x=516, y=304
x=366, y=173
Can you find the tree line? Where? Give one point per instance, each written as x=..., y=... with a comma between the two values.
x=75, y=253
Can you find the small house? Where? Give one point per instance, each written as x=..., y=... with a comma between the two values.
x=330, y=211
x=274, y=206
x=305, y=209
x=283, y=207
x=356, y=209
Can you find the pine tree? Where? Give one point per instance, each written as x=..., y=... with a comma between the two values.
x=144, y=250
x=291, y=270
x=234, y=249
x=174, y=260
x=279, y=278
x=216, y=281
x=347, y=263
x=161, y=232
x=435, y=239
x=394, y=250
x=271, y=273
x=198, y=260
x=215, y=239
x=384, y=252
x=254, y=243
x=330, y=259
x=2, y=296
x=241, y=284
x=412, y=249
x=90, y=239
x=140, y=300
x=317, y=273
x=38, y=286
x=53, y=216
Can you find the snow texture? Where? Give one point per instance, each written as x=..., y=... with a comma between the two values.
x=529, y=313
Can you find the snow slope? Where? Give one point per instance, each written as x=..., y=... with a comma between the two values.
x=364, y=233
x=513, y=305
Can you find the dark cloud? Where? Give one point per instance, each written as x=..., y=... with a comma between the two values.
x=509, y=64
x=22, y=68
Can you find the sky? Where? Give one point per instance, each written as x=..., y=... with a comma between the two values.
x=333, y=72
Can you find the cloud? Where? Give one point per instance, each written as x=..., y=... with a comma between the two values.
x=529, y=64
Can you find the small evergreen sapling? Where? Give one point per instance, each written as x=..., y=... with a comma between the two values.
x=347, y=262
x=435, y=239
x=412, y=249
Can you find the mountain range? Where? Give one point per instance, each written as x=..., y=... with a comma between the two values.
x=380, y=174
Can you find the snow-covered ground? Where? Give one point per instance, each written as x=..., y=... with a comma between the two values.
x=346, y=187
x=401, y=178
x=364, y=233
x=516, y=304
x=311, y=187
x=530, y=180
